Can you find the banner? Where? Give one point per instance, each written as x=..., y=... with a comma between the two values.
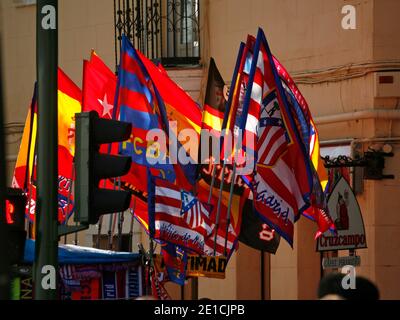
x=109, y=285
x=282, y=182
x=255, y=233
x=134, y=282
x=177, y=216
x=197, y=266
x=90, y=290
x=206, y=266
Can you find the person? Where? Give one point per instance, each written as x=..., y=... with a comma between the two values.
x=342, y=222
x=330, y=288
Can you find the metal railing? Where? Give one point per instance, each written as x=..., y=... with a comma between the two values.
x=163, y=30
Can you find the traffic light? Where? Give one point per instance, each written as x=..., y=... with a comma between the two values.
x=91, y=201
x=15, y=218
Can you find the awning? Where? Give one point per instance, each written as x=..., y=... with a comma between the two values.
x=70, y=254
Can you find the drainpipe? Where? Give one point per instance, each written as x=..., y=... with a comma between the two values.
x=377, y=114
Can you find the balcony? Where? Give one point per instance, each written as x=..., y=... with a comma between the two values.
x=163, y=30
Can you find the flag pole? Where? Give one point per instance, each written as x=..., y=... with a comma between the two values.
x=262, y=274
x=100, y=226
x=69, y=195
x=228, y=219
x=110, y=231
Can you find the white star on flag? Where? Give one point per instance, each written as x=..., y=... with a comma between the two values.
x=106, y=106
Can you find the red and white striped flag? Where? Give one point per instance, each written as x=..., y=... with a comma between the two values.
x=178, y=217
x=283, y=181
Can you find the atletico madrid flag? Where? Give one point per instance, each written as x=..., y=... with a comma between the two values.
x=282, y=182
x=318, y=210
x=178, y=216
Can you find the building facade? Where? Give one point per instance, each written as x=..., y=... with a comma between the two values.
x=350, y=78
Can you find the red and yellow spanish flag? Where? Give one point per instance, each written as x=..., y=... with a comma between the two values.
x=25, y=160
x=69, y=103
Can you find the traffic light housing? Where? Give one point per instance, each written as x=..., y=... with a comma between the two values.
x=91, y=201
x=15, y=217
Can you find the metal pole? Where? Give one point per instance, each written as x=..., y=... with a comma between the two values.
x=195, y=288
x=4, y=257
x=262, y=275
x=228, y=219
x=120, y=222
x=46, y=250
x=183, y=293
x=132, y=226
x=110, y=235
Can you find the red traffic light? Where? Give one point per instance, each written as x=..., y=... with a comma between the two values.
x=15, y=206
x=10, y=211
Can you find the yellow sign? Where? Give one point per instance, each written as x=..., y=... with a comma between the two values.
x=210, y=267
x=199, y=266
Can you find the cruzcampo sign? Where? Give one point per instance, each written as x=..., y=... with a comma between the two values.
x=345, y=212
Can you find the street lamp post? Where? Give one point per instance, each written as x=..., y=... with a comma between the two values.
x=46, y=251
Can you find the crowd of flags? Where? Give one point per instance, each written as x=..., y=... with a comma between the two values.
x=192, y=208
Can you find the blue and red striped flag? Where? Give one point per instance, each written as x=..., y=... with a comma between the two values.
x=139, y=104
x=175, y=259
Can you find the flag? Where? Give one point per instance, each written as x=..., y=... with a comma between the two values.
x=179, y=105
x=175, y=259
x=318, y=210
x=313, y=144
x=255, y=233
x=282, y=182
x=225, y=236
x=214, y=103
x=158, y=290
x=69, y=103
x=182, y=111
x=213, y=118
x=98, y=88
x=170, y=209
x=139, y=104
x=98, y=94
x=25, y=161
